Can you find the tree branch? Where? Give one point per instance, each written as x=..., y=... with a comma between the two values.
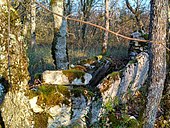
x=100, y=27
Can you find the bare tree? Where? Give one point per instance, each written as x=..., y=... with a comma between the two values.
x=158, y=27
x=59, y=48
x=33, y=24
x=136, y=12
x=106, y=34
x=86, y=6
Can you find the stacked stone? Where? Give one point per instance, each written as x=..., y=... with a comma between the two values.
x=136, y=47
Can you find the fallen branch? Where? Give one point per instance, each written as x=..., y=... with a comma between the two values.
x=100, y=27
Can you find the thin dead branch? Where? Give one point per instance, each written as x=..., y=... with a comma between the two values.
x=100, y=27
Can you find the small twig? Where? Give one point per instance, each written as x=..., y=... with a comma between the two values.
x=100, y=27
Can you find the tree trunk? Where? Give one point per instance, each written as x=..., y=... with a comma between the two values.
x=158, y=26
x=59, y=48
x=15, y=109
x=137, y=14
x=106, y=34
x=33, y=24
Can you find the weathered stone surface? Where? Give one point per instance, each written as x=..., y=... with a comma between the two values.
x=87, y=77
x=109, y=86
x=36, y=108
x=59, y=116
x=95, y=110
x=55, y=77
x=79, y=111
x=66, y=77
x=134, y=75
x=135, y=47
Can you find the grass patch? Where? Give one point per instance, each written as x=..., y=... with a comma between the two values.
x=40, y=59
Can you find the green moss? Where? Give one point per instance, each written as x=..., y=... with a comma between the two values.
x=48, y=95
x=73, y=74
x=80, y=90
x=38, y=76
x=47, y=89
x=51, y=99
x=132, y=61
x=132, y=123
x=64, y=90
x=41, y=120
x=145, y=36
x=122, y=121
x=31, y=93
x=115, y=75
x=88, y=61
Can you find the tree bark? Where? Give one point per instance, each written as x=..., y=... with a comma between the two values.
x=59, y=48
x=158, y=26
x=33, y=24
x=15, y=109
x=106, y=34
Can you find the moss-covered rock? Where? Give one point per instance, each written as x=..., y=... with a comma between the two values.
x=40, y=120
x=49, y=95
x=65, y=90
x=78, y=91
x=73, y=74
x=66, y=77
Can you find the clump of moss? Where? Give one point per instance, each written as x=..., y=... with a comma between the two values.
x=48, y=95
x=38, y=76
x=47, y=89
x=115, y=75
x=73, y=74
x=31, y=93
x=88, y=61
x=81, y=90
x=41, y=120
x=64, y=90
x=133, y=61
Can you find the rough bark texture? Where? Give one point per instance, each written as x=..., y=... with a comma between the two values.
x=59, y=48
x=106, y=34
x=19, y=114
x=134, y=75
x=86, y=6
x=33, y=24
x=15, y=109
x=158, y=26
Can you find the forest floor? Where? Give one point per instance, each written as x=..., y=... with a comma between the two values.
x=41, y=60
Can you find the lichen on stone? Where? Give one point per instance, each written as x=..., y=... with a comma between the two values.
x=73, y=74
